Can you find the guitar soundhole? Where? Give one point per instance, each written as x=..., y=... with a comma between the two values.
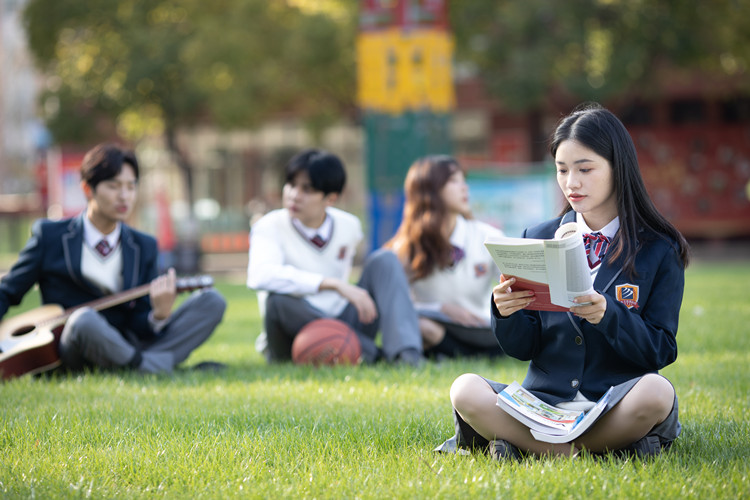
x=22, y=331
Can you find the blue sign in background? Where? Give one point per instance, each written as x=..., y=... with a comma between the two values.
x=513, y=202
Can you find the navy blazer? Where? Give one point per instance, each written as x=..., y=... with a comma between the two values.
x=637, y=334
x=52, y=259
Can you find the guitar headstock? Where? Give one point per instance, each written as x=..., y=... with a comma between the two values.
x=190, y=283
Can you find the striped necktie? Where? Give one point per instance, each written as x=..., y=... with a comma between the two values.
x=596, y=246
x=103, y=248
x=318, y=241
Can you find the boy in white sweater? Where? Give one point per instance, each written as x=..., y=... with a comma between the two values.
x=302, y=255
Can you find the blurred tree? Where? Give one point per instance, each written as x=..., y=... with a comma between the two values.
x=156, y=66
x=526, y=52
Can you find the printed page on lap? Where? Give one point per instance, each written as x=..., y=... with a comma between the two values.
x=546, y=422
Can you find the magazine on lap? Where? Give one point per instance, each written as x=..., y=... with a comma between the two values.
x=546, y=422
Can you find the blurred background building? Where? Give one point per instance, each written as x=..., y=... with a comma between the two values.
x=22, y=133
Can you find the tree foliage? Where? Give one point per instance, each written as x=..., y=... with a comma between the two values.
x=228, y=62
x=155, y=66
x=597, y=49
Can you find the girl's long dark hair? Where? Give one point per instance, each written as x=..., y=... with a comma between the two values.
x=602, y=132
x=419, y=241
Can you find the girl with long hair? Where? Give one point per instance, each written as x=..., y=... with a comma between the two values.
x=620, y=336
x=442, y=249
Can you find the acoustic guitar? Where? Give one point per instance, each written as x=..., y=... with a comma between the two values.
x=29, y=341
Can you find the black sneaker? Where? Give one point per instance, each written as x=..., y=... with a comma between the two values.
x=646, y=447
x=502, y=450
x=208, y=366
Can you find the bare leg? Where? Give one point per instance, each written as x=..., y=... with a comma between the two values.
x=475, y=401
x=432, y=332
x=647, y=404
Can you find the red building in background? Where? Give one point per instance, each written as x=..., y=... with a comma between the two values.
x=693, y=147
x=695, y=158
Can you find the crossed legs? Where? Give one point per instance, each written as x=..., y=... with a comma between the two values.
x=646, y=405
x=89, y=340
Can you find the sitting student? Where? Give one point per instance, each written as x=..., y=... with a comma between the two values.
x=620, y=336
x=95, y=254
x=302, y=255
x=442, y=249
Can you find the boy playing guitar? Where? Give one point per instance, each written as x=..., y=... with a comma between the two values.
x=94, y=255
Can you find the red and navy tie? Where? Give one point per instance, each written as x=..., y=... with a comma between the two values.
x=318, y=241
x=596, y=246
x=103, y=248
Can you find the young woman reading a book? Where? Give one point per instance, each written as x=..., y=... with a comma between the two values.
x=622, y=338
x=441, y=247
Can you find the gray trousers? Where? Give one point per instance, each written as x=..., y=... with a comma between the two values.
x=461, y=340
x=383, y=277
x=89, y=340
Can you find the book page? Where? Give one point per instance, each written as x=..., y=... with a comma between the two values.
x=581, y=426
x=546, y=422
x=520, y=259
x=535, y=413
x=568, y=271
x=556, y=269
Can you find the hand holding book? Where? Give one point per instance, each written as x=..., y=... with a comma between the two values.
x=555, y=270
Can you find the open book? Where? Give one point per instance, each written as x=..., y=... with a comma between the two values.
x=556, y=270
x=546, y=422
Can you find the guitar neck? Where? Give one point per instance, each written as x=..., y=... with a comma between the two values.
x=116, y=299
x=98, y=305
x=182, y=285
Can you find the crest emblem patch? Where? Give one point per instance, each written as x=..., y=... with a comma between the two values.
x=480, y=270
x=627, y=294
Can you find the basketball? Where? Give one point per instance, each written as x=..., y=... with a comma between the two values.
x=326, y=342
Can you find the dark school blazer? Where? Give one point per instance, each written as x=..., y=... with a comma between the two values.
x=51, y=258
x=637, y=334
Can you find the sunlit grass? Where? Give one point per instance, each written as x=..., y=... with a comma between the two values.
x=262, y=431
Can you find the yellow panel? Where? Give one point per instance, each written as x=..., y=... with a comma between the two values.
x=399, y=71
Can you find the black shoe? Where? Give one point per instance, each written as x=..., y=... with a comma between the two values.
x=646, y=447
x=411, y=357
x=450, y=446
x=502, y=450
x=208, y=366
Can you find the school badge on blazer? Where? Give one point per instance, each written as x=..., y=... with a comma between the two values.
x=628, y=295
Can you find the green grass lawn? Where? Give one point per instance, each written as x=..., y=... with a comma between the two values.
x=260, y=431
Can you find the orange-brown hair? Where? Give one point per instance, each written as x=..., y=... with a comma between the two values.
x=419, y=241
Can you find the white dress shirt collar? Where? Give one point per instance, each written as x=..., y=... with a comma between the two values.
x=92, y=236
x=610, y=230
x=458, y=236
x=324, y=231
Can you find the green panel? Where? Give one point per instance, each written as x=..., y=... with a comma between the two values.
x=393, y=142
